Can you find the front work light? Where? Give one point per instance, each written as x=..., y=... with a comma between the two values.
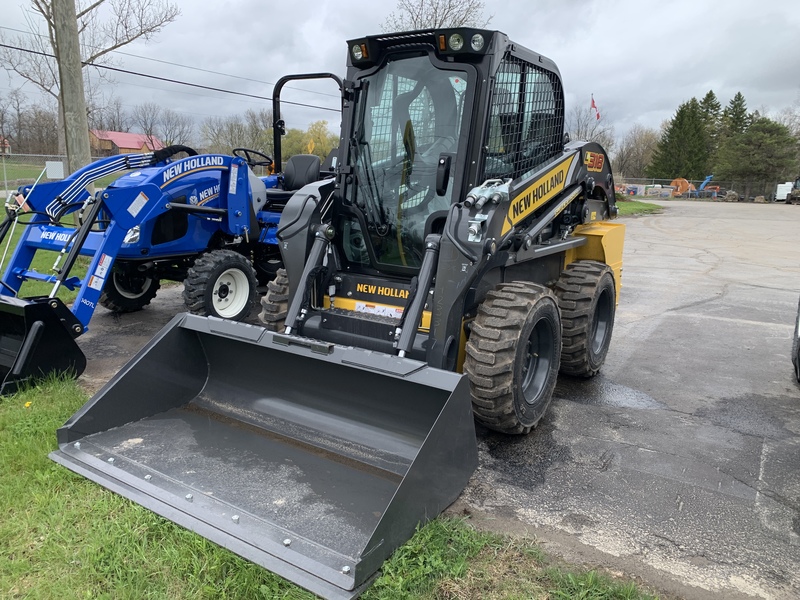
x=456, y=42
x=477, y=42
x=358, y=54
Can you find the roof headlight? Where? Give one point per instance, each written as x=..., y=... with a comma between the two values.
x=358, y=54
x=477, y=42
x=456, y=42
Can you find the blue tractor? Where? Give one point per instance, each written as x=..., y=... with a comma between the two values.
x=206, y=220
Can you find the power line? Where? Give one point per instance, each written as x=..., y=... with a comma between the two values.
x=174, y=64
x=175, y=81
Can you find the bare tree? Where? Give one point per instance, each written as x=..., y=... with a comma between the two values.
x=103, y=25
x=635, y=151
x=176, y=128
x=114, y=117
x=146, y=118
x=790, y=117
x=583, y=124
x=428, y=14
x=253, y=130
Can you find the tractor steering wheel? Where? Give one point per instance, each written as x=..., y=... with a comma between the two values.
x=253, y=158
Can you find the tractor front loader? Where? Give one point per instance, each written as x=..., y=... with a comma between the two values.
x=459, y=260
x=205, y=220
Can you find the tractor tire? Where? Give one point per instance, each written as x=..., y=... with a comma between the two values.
x=127, y=289
x=513, y=355
x=221, y=283
x=587, y=299
x=275, y=304
x=796, y=346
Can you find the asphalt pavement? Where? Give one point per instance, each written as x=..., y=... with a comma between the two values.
x=679, y=463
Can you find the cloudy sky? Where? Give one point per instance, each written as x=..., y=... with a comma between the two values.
x=640, y=58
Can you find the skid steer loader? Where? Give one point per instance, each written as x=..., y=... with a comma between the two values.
x=459, y=260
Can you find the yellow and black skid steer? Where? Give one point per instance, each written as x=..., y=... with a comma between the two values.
x=459, y=259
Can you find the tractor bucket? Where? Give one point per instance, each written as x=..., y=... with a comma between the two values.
x=313, y=460
x=37, y=338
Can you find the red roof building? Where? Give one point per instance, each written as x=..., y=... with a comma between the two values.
x=107, y=143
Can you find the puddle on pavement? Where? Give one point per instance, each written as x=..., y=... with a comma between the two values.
x=599, y=391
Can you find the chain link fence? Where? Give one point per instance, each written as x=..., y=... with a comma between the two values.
x=744, y=191
x=24, y=169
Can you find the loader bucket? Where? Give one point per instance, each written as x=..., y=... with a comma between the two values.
x=313, y=460
x=37, y=338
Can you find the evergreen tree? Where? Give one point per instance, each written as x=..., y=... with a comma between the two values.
x=683, y=148
x=735, y=119
x=711, y=113
x=762, y=155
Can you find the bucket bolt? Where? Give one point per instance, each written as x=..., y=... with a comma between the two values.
x=111, y=460
x=189, y=497
x=235, y=518
x=287, y=542
x=346, y=570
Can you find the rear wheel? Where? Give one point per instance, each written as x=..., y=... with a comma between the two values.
x=513, y=356
x=796, y=346
x=587, y=299
x=275, y=304
x=128, y=289
x=221, y=283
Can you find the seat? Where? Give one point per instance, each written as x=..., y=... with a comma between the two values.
x=301, y=169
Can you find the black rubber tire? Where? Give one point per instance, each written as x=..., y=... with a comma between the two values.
x=205, y=289
x=127, y=289
x=588, y=300
x=275, y=303
x=796, y=346
x=512, y=356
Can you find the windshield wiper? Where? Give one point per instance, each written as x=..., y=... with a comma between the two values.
x=365, y=174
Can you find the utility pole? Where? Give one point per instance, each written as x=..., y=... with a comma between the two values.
x=73, y=100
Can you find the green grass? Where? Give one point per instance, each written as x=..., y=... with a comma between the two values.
x=629, y=208
x=64, y=537
x=29, y=172
x=14, y=171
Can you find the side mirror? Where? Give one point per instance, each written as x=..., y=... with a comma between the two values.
x=443, y=173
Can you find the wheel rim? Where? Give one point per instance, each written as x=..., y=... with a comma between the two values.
x=231, y=293
x=538, y=360
x=126, y=283
x=602, y=322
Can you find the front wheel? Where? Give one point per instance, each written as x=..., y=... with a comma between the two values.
x=221, y=283
x=796, y=346
x=275, y=304
x=128, y=289
x=513, y=356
